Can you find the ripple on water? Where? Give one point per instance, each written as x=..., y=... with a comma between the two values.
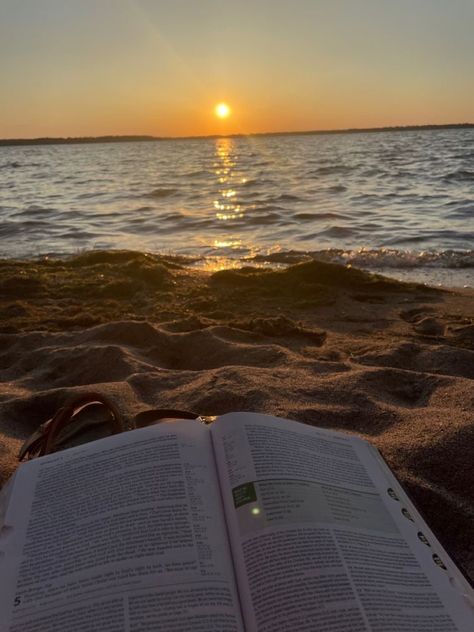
x=330, y=170
x=162, y=193
x=460, y=175
x=317, y=217
x=337, y=188
x=338, y=231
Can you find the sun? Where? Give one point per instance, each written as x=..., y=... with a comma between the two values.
x=222, y=110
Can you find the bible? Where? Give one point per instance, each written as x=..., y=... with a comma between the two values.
x=250, y=524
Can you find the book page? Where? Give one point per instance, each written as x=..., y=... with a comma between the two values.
x=317, y=542
x=125, y=533
x=400, y=503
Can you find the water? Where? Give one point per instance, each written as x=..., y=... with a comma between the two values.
x=396, y=202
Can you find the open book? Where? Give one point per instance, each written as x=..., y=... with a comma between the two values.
x=251, y=524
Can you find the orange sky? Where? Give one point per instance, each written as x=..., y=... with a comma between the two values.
x=71, y=68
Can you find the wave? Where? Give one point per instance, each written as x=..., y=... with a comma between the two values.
x=262, y=220
x=336, y=231
x=460, y=175
x=15, y=164
x=265, y=208
x=330, y=170
x=91, y=194
x=337, y=188
x=318, y=216
x=36, y=210
x=198, y=173
x=252, y=182
x=288, y=197
x=464, y=212
x=378, y=258
x=162, y=193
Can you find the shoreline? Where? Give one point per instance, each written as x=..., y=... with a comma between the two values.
x=9, y=142
x=409, y=269
x=320, y=343
x=125, y=279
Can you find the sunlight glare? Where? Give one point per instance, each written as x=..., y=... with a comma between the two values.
x=222, y=110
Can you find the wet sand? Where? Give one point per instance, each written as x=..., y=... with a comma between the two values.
x=320, y=343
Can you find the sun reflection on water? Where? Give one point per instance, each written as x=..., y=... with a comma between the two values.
x=227, y=178
x=230, y=211
x=227, y=243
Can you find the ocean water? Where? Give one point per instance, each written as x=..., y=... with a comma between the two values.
x=401, y=203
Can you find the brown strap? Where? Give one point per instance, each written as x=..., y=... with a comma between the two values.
x=43, y=441
x=33, y=444
x=64, y=415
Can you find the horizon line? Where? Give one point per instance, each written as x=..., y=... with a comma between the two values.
x=117, y=138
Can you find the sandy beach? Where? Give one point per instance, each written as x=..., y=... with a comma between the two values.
x=316, y=342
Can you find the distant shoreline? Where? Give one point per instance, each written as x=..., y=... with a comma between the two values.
x=141, y=138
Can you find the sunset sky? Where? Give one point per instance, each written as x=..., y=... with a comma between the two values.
x=94, y=67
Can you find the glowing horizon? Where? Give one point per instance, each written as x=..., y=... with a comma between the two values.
x=82, y=69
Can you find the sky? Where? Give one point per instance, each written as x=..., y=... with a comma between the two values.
x=96, y=67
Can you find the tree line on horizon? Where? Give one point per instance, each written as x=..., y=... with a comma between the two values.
x=148, y=138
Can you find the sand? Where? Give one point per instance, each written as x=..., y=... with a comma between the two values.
x=323, y=344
